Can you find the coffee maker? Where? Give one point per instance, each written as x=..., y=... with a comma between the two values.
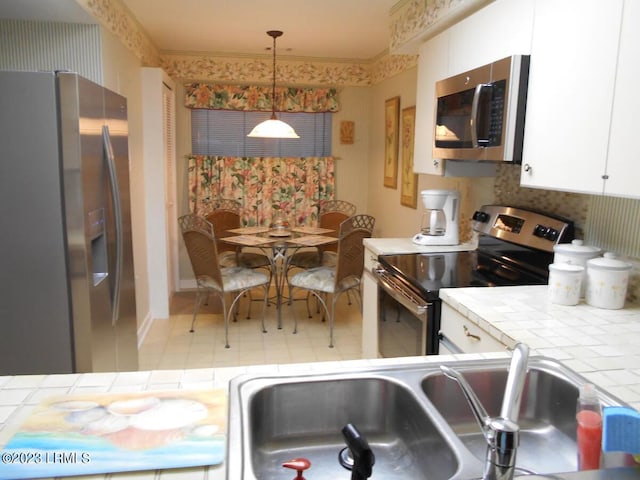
x=439, y=224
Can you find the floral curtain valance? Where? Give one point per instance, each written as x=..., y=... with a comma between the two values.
x=294, y=187
x=258, y=98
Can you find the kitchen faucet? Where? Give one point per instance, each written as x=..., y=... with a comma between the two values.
x=501, y=432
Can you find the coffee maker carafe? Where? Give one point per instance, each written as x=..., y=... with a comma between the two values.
x=439, y=224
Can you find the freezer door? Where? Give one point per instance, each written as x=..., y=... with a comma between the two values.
x=35, y=310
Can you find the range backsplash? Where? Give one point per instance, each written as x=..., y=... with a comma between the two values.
x=579, y=208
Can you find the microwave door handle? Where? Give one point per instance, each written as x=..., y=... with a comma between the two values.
x=474, y=114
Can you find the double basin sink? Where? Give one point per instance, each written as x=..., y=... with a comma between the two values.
x=416, y=420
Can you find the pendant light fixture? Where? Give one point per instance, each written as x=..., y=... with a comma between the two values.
x=273, y=128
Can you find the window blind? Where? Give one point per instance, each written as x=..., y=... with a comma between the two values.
x=224, y=133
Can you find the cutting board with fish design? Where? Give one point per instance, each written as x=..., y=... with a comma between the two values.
x=100, y=433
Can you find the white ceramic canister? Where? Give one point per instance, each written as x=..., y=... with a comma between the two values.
x=565, y=283
x=575, y=253
x=607, y=281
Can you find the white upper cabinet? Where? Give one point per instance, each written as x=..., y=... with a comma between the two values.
x=501, y=29
x=623, y=160
x=572, y=79
x=433, y=65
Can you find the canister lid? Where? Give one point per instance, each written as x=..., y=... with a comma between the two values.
x=566, y=268
x=608, y=262
x=576, y=248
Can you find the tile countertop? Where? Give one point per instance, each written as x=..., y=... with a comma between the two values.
x=21, y=394
x=602, y=345
x=390, y=246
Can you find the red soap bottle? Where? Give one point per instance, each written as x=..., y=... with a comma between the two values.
x=589, y=433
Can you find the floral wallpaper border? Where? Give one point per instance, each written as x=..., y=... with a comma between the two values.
x=413, y=20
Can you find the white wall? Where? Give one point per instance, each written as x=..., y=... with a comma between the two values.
x=352, y=161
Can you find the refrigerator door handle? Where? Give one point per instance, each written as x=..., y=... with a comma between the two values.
x=117, y=214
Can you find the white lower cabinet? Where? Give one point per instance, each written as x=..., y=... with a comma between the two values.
x=466, y=336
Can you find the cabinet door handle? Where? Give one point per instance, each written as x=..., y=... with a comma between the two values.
x=469, y=334
x=527, y=168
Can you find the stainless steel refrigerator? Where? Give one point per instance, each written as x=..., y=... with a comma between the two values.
x=67, y=282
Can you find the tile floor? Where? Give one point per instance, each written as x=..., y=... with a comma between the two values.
x=170, y=345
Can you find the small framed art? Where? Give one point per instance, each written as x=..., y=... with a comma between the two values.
x=408, y=179
x=391, y=140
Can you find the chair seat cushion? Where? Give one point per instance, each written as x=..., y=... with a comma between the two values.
x=235, y=278
x=321, y=279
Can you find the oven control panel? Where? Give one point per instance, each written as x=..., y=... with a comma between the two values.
x=524, y=227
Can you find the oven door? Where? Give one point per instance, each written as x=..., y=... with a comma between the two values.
x=406, y=321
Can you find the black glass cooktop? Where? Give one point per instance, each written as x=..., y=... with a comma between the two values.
x=429, y=272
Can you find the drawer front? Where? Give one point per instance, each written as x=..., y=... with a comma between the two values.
x=466, y=335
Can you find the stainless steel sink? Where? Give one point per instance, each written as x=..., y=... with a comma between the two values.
x=547, y=414
x=416, y=421
x=303, y=417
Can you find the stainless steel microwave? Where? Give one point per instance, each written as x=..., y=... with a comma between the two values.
x=480, y=113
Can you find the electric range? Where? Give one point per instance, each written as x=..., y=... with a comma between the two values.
x=515, y=247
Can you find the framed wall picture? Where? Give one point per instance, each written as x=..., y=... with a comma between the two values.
x=347, y=132
x=408, y=179
x=391, y=140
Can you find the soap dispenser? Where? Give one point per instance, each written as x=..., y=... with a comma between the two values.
x=299, y=465
x=589, y=432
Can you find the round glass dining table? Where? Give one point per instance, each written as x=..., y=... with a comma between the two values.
x=281, y=243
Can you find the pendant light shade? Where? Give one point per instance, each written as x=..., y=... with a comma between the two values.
x=273, y=128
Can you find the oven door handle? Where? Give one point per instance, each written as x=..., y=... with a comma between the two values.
x=402, y=295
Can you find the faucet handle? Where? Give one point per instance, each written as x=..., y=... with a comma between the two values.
x=479, y=412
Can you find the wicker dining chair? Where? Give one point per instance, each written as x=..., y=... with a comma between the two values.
x=344, y=276
x=332, y=214
x=225, y=216
x=211, y=277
